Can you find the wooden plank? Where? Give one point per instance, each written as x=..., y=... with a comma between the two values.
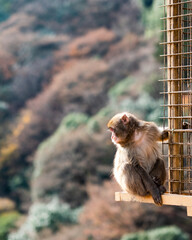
x=168, y=199
x=189, y=211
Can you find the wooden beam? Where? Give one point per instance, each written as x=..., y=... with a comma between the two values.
x=189, y=211
x=168, y=199
x=174, y=110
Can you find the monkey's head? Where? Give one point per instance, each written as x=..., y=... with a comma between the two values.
x=122, y=127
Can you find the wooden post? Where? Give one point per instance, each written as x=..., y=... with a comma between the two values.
x=174, y=85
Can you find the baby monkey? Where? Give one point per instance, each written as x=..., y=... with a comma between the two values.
x=138, y=165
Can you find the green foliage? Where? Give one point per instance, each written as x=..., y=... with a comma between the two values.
x=153, y=87
x=74, y=120
x=10, y=6
x=168, y=233
x=145, y=106
x=5, y=9
x=4, y=109
x=19, y=180
x=148, y=3
x=6, y=93
x=159, y=48
x=120, y=88
x=93, y=126
x=7, y=221
x=71, y=9
x=63, y=10
x=151, y=17
x=105, y=112
x=42, y=216
x=70, y=122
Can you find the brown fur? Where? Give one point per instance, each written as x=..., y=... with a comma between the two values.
x=138, y=165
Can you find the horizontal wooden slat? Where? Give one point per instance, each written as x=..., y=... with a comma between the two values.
x=189, y=211
x=168, y=199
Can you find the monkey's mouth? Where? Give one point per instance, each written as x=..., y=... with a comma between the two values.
x=114, y=138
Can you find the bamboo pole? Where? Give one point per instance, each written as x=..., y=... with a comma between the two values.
x=174, y=110
x=174, y=60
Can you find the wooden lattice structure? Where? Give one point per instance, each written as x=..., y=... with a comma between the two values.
x=177, y=82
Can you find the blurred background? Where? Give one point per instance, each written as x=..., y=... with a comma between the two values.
x=66, y=67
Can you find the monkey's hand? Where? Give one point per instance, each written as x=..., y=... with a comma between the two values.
x=156, y=195
x=165, y=135
x=150, y=185
x=186, y=125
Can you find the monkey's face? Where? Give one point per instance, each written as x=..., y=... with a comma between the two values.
x=122, y=127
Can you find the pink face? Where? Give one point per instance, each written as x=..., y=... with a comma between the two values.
x=117, y=132
x=114, y=138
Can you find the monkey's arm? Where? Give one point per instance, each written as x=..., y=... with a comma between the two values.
x=164, y=135
x=149, y=184
x=186, y=125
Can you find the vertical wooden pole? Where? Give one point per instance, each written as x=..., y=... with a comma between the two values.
x=174, y=85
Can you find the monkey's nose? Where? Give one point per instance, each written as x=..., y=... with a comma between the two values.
x=111, y=129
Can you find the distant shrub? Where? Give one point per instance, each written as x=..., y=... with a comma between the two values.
x=74, y=120
x=5, y=9
x=70, y=122
x=9, y=6
x=62, y=10
x=159, y=49
x=93, y=126
x=6, y=93
x=31, y=77
x=106, y=111
x=147, y=3
x=151, y=14
x=168, y=233
x=156, y=114
x=7, y=221
x=19, y=181
x=3, y=106
x=42, y=216
x=4, y=110
x=8, y=152
x=145, y=106
x=153, y=87
x=120, y=88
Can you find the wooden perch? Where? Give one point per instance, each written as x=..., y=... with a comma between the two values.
x=168, y=199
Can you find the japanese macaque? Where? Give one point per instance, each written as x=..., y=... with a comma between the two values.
x=138, y=165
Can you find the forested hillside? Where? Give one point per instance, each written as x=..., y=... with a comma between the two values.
x=66, y=66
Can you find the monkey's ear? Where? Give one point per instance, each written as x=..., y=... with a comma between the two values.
x=125, y=119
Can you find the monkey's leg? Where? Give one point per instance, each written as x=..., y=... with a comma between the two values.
x=158, y=174
x=133, y=181
x=149, y=184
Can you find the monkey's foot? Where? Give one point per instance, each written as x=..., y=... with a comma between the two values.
x=156, y=195
x=162, y=189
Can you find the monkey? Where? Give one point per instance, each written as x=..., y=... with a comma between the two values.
x=138, y=165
